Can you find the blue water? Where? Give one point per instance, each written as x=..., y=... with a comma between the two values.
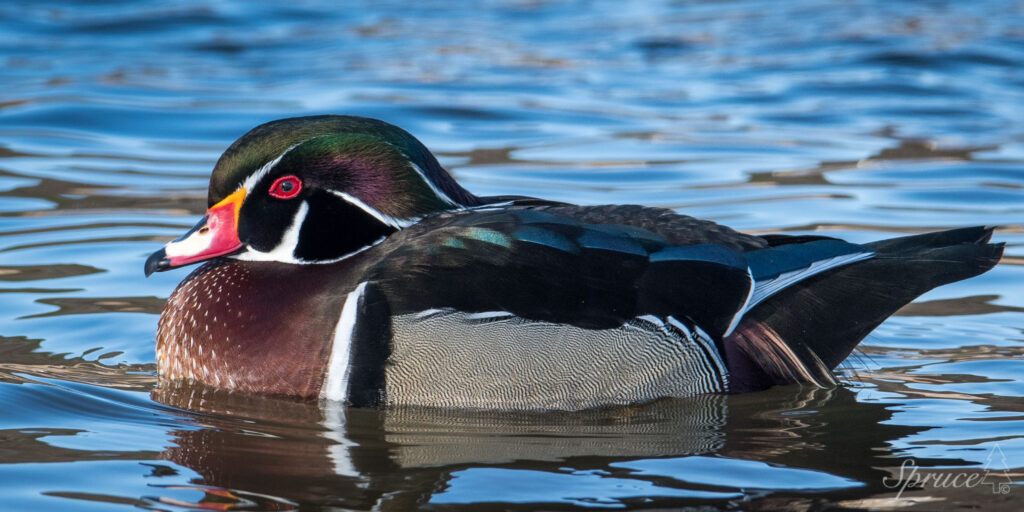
x=857, y=119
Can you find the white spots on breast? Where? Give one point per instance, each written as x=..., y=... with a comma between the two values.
x=185, y=345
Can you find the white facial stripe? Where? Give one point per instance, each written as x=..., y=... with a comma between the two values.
x=251, y=255
x=254, y=178
x=335, y=385
x=385, y=219
x=489, y=207
x=438, y=192
x=194, y=244
x=285, y=250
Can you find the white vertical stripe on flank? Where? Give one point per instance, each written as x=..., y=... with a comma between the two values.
x=335, y=385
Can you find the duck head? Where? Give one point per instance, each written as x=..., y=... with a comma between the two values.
x=314, y=190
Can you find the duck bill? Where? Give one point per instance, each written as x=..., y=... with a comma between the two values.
x=215, y=235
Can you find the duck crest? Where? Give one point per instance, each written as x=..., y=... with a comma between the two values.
x=372, y=172
x=269, y=141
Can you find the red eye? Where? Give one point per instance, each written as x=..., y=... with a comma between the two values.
x=286, y=187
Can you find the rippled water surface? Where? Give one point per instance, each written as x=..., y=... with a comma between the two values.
x=857, y=119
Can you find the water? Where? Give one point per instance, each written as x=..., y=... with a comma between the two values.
x=858, y=119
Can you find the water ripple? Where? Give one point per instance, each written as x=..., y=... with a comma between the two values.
x=860, y=120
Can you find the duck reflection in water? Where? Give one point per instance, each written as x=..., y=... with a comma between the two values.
x=285, y=452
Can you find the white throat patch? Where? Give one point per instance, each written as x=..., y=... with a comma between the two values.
x=285, y=250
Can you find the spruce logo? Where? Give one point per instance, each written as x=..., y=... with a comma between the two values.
x=995, y=474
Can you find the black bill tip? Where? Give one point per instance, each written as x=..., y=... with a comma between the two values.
x=157, y=262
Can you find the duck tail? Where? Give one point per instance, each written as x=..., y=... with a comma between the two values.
x=804, y=331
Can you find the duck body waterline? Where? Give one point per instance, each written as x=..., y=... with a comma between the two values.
x=342, y=262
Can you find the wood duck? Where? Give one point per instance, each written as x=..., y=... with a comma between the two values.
x=342, y=262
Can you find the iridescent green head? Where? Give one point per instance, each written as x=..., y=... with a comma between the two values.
x=315, y=189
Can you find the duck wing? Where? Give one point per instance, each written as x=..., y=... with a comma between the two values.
x=547, y=267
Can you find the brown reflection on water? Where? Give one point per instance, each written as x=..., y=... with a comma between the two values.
x=90, y=305
x=6, y=152
x=922, y=384
x=952, y=355
x=907, y=149
x=23, y=359
x=250, y=442
x=69, y=197
x=972, y=305
x=39, y=272
x=28, y=446
x=396, y=459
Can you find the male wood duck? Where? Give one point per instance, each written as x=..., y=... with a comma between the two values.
x=343, y=262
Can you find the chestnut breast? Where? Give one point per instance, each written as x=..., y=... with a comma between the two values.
x=258, y=327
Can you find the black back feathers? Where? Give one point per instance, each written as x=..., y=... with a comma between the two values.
x=548, y=267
